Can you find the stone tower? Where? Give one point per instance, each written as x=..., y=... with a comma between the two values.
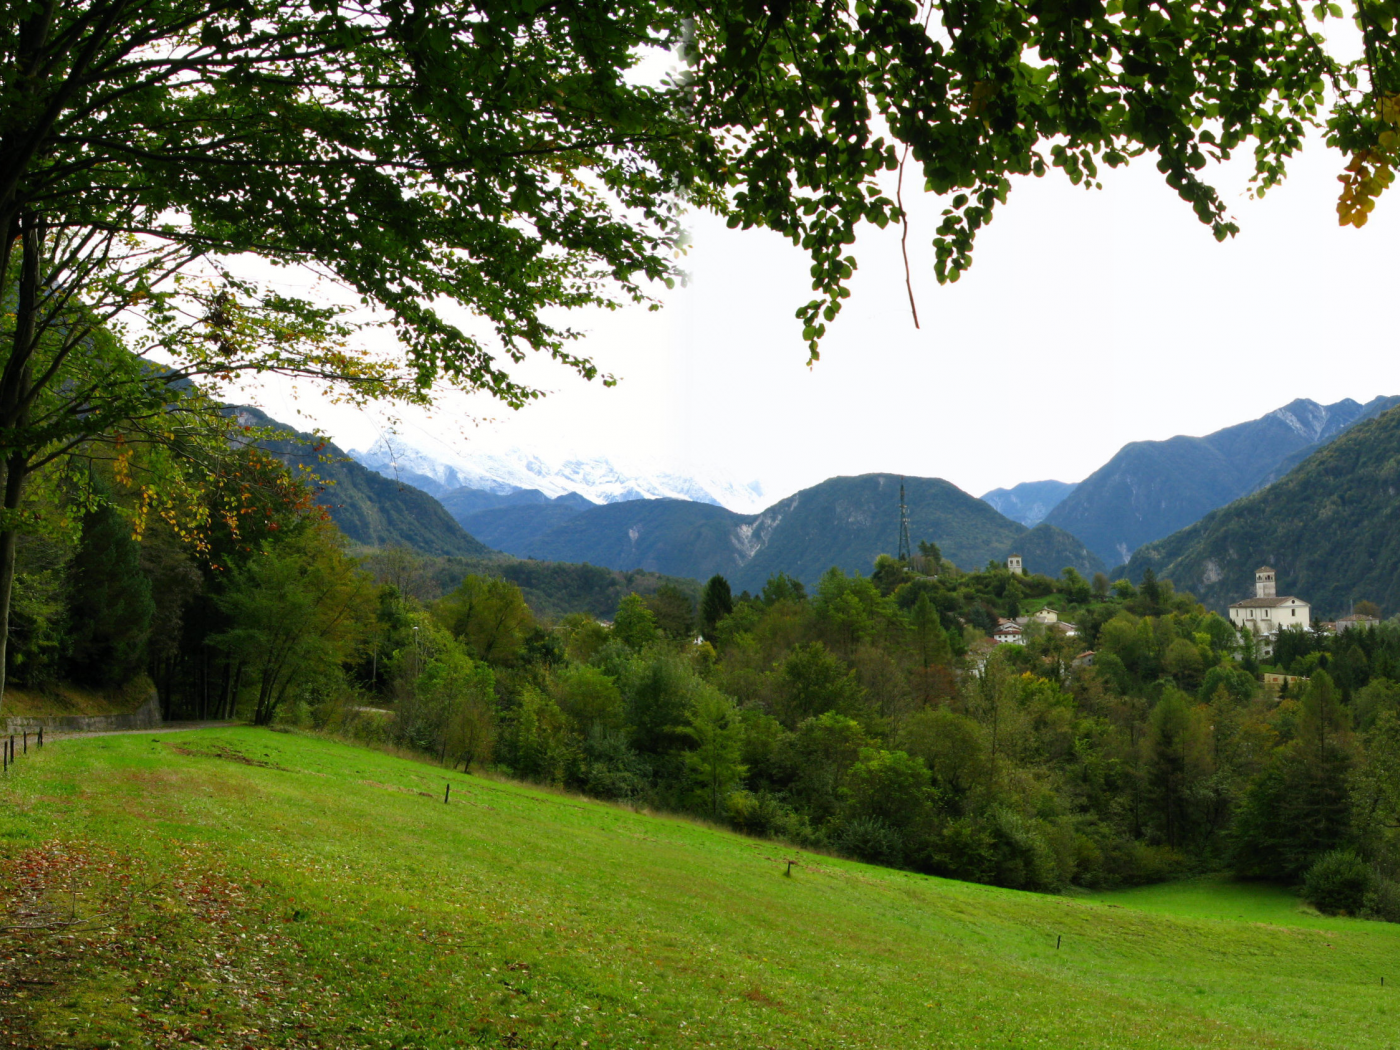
x=1013, y=565
x=1264, y=583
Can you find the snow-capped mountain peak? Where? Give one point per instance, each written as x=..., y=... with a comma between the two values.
x=439, y=471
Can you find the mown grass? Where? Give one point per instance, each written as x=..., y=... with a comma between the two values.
x=1222, y=897
x=327, y=897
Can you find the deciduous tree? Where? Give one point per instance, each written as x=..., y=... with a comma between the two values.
x=296, y=614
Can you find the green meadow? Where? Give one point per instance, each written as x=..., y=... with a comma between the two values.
x=249, y=888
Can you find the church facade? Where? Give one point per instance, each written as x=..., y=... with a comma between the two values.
x=1269, y=612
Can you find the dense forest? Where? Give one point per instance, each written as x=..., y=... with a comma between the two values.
x=1131, y=740
x=875, y=718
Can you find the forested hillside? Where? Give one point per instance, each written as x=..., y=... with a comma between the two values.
x=509, y=520
x=551, y=590
x=875, y=718
x=1331, y=528
x=368, y=507
x=845, y=522
x=1150, y=489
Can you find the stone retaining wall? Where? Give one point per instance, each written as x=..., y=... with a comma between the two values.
x=147, y=716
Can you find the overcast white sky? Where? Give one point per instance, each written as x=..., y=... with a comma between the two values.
x=1090, y=319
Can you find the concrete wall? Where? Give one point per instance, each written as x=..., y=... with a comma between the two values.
x=147, y=716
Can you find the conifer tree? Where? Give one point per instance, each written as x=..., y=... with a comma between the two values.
x=111, y=605
x=715, y=604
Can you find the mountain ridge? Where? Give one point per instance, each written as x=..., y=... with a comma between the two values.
x=1151, y=489
x=1330, y=527
x=1030, y=501
x=370, y=509
x=845, y=521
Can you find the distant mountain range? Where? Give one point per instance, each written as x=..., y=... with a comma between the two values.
x=1030, y=501
x=368, y=507
x=441, y=471
x=587, y=511
x=844, y=521
x=1331, y=528
x=1150, y=489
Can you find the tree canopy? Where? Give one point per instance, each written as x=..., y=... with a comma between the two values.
x=468, y=171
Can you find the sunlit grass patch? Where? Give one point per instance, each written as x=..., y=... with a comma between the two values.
x=266, y=889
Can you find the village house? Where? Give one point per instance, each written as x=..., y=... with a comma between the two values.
x=979, y=652
x=1346, y=623
x=1049, y=619
x=1268, y=612
x=1008, y=631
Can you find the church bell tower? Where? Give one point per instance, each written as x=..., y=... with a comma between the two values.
x=1264, y=583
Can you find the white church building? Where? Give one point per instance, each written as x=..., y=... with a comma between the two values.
x=1268, y=612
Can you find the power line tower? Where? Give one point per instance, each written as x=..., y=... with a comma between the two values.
x=904, y=552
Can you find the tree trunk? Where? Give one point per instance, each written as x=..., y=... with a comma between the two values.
x=14, y=414
x=231, y=707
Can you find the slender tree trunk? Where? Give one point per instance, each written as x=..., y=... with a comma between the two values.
x=14, y=414
x=232, y=708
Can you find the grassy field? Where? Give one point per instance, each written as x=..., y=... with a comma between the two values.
x=246, y=888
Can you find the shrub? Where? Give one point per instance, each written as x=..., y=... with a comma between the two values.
x=768, y=816
x=1337, y=883
x=871, y=839
x=1382, y=901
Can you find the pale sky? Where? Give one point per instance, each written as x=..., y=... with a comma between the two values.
x=1088, y=320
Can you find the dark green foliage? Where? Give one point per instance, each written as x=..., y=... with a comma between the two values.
x=716, y=603
x=1293, y=812
x=111, y=605
x=636, y=625
x=674, y=611
x=1356, y=553
x=781, y=587
x=551, y=589
x=1150, y=489
x=1338, y=883
x=659, y=693
x=1170, y=776
x=812, y=681
x=39, y=612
